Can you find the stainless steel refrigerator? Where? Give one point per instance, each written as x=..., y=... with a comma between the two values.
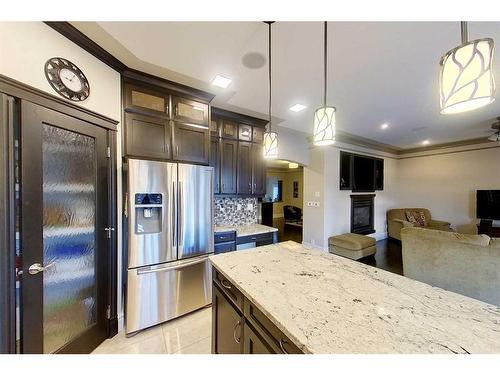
x=170, y=236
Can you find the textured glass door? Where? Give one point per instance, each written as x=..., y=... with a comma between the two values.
x=69, y=211
x=64, y=290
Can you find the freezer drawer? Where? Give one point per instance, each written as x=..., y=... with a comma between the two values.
x=159, y=293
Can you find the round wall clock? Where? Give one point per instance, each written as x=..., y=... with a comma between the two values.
x=67, y=79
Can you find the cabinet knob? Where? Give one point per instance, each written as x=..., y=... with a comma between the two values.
x=282, y=342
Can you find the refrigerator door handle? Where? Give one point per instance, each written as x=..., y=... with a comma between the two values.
x=174, y=216
x=180, y=217
x=172, y=267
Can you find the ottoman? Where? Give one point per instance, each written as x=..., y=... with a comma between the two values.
x=351, y=245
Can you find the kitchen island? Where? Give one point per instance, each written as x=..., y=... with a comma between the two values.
x=289, y=297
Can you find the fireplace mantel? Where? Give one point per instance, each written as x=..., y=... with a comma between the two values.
x=362, y=213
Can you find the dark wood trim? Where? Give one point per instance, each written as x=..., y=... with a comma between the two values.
x=20, y=90
x=172, y=87
x=113, y=246
x=7, y=228
x=80, y=39
x=238, y=117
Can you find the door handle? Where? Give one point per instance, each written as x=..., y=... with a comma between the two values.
x=37, y=267
x=237, y=339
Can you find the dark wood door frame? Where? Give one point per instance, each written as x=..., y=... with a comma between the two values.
x=7, y=228
x=19, y=90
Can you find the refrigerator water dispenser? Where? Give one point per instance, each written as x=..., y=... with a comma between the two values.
x=148, y=213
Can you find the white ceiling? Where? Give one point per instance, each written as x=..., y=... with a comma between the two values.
x=378, y=71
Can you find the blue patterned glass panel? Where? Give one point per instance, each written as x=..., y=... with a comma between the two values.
x=69, y=293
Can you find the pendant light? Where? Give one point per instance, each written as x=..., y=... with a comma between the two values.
x=324, y=117
x=466, y=80
x=270, y=137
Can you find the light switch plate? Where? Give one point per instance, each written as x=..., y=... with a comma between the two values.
x=316, y=194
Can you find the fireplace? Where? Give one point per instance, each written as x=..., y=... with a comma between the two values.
x=362, y=213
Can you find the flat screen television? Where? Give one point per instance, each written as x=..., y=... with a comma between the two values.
x=488, y=204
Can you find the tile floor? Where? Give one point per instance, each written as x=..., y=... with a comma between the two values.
x=190, y=334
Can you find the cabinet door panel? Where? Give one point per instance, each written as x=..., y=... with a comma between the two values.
x=227, y=326
x=215, y=162
x=245, y=132
x=253, y=344
x=189, y=111
x=143, y=100
x=229, y=155
x=244, y=168
x=258, y=135
x=191, y=143
x=147, y=136
x=258, y=170
x=229, y=129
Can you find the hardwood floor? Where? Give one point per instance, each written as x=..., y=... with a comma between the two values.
x=388, y=257
x=287, y=232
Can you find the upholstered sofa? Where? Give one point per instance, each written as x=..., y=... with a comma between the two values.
x=397, y=220
x=467, y=264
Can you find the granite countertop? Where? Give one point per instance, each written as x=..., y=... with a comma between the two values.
x=245, y=230
x=328, y=304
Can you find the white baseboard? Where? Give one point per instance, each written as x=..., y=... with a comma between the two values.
x=379, y=236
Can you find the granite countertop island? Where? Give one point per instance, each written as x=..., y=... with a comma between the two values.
x=246, y=229
x=328, y=304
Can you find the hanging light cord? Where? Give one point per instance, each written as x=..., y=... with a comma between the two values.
x=270, y=80
x=464, y=32
x=325, y=61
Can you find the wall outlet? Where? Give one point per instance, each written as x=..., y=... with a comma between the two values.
x=313, y=242
x=249, y=207
x=238, y=207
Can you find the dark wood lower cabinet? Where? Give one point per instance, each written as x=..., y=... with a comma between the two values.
x=239, y=327
x=253, y=344
x=227, y=325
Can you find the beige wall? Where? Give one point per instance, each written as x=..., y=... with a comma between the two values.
x=24, y=49
x=446, y=184
x=287, y=176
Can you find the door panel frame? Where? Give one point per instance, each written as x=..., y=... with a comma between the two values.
x=32, y=233
x=7, y=227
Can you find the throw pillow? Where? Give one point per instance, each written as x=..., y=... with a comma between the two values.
x=421, y=219
x=411, y=218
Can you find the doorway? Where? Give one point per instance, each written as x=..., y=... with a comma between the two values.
x=284, y=199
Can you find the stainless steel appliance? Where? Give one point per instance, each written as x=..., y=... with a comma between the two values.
x=170, y=235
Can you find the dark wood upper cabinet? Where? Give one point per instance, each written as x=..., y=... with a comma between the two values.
x=258, y=170
x=258, y=135
x=146, y=101
x=227, y=325
x=244, y=172
x=228, y=162
x=186, y=110
x=214, y=128
x=229, y=129
x=147, y=136
x=245, y=132
x=190, y=143
x=215, y=162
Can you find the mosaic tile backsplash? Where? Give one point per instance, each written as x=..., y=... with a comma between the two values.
x=227, y=213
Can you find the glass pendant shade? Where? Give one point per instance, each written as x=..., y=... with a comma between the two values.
x=466, y=79
x=270, y=145
x=324, y=126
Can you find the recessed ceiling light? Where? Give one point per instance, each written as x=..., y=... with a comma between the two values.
x=297, y=107
x=385, y=125
x=221, y=81
x=426, y=142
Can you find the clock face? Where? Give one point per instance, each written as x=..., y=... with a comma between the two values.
x=67, y=79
